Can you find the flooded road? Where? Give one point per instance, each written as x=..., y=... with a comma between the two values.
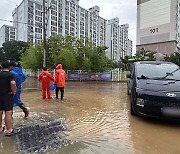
x=97, y=114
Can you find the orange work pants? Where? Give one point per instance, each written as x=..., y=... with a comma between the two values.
x=46, y=93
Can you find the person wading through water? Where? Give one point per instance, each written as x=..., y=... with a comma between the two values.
x=60, y=77
x=20, y=78
x=45, y=77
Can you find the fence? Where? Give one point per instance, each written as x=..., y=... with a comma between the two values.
x=79, y=75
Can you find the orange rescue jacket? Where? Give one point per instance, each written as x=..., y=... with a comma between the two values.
x=45, y=77
x=60, y=76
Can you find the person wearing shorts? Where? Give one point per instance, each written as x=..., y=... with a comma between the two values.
x=7, y=91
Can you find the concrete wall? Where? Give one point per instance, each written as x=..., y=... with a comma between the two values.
x=163, y=47
x=156, y=23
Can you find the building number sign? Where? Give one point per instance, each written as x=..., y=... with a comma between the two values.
x=154, y=30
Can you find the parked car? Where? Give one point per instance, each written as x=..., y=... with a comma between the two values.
x=154, y=89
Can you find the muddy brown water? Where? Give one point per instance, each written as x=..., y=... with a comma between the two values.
x=97, y=114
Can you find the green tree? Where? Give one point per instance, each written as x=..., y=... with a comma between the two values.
x=33, y=57
x=125, y=62
x=60, y=49
x=99, y=59
x=73, y=53
x=83, y=52
x=67, y=58
x=54, y=47
x=12, y=50
x=2, y=56
x=174, y=58
x=145, y=55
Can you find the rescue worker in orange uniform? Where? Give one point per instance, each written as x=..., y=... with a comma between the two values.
x=45, y=77
x=60, y=77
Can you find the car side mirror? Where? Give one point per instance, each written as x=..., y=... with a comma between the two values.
x=128, y=75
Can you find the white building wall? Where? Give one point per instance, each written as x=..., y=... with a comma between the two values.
x=64, y=17
x=124, y=38
x=2, y=35
x=19, y=18
x=158, y=25
x=149, y=11
x=108, y=41
x=130, y=48
x=117, y=39
x=7, y=33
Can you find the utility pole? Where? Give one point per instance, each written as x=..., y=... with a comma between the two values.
x=44, y=34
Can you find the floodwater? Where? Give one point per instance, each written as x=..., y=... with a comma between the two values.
x=97, y=114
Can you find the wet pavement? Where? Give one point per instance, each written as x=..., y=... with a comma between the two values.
x=99, y=122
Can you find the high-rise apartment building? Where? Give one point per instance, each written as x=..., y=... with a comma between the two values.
x=130, y=48
x=64, y=17
x=117, y=40
x=7, y=33
x=158, y=25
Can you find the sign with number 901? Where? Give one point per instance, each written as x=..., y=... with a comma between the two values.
x=154, y=30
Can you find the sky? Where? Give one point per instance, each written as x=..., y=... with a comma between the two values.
x=125, y=10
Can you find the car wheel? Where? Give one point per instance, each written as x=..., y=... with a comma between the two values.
x=128, y=91
x=132, y=110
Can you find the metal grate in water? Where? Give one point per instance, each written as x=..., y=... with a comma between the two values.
x=41, y=137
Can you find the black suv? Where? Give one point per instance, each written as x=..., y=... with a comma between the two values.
x=154, y=89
